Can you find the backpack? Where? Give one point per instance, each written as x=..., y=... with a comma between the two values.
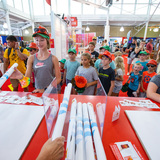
x=21, y=49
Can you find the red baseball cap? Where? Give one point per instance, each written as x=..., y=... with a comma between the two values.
x=152, y=61
x=42, y=31
x=107, y=54
x=32, y=46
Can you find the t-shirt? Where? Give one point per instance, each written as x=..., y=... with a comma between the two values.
x=106, y=76
x=71, y=68
x=97, y=46
x=156, y=81
x=96, y=54
x=149, y=47
x=91, y=75
x=119, y=73
x=14, y=58
x=146, y=79
x=133, y=47
x=144, y=66
x=134, y=81
x=98, y=64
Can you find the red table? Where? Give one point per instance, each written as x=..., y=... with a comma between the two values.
x=120, y=130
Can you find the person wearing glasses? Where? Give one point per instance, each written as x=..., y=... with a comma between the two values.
x=153, y=90
x=12, y=55
x=32, y=48
x=44, y=64
x=146, y=77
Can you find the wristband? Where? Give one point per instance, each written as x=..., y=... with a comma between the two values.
x=25, y=81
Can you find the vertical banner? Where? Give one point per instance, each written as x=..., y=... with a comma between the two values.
x=49, y=2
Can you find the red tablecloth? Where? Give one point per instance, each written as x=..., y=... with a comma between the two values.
x=120, y=130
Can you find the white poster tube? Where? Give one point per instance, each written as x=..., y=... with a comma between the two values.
x=87, y=135
x=100, y=115
x=95, y=132
x=62, y=113
x=7, y=74
x=71, y=129
x=79, y=134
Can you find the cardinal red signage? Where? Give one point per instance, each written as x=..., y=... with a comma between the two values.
x=49, y=2
x=73, y=21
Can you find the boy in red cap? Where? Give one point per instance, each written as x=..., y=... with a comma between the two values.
x=146, y=77
x=106, y=73
x=32, y=48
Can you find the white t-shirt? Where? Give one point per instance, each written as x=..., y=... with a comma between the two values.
x=118, y=73
x=97, y=46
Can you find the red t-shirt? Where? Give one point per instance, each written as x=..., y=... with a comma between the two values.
x=146, y=77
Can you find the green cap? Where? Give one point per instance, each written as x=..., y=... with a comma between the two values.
x=43, y=35
x=106, y=47
x=143, y=52
x=63, y=61
x=72, y=50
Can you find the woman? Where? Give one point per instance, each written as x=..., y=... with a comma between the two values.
x=153, y=90
x=44, y=64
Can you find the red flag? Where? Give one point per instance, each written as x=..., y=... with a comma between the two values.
x=49, y=2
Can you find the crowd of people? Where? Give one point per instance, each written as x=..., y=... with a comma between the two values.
x=38, y=66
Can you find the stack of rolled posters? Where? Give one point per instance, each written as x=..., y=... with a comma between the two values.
x=70, y=149
x=7, y=74
x=62, y=113
x=80, y=152
x=95, y=132
x=100, y=114
x=87, y=135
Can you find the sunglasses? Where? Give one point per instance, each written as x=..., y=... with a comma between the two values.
x=150, y=65
x=42, y=30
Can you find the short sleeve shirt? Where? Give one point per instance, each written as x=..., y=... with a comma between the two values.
x=118, y=73
x=156, y=81
x=14, y=58
x=106, y=76
x=91, y=75
x=71, y=68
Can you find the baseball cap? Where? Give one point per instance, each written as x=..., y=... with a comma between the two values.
x=143, y=52
x=107, y=54
x=94, y=37
x=42, y=31
x=147, y=51
x=32, y=46
x=63, y=61
x=106, y=47
x=152, y=61
x=72, y=50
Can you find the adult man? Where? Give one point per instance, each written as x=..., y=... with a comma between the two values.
x=15, y=54
x=130, y=48
x=97, y=45
x=149, y=46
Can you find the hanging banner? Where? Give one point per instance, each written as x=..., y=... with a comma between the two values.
x=49, y=2
x=74, y=21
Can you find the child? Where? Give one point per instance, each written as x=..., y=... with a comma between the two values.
x=94, y=54
x=135, y=79
x=118, y=75
x=32, y=48
x=142, y=61
x=146, y=77
x=70, y=66
x=106, y=73
x=62, y=62
x=98, y=63
x=89, y=72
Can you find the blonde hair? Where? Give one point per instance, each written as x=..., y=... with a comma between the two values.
x=118, y=53
x=119, y=62
x=48, y=43
x=138, y=64
x=88, y=57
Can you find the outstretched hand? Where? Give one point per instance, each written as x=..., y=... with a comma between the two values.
x=16, y=74
x=52, y=150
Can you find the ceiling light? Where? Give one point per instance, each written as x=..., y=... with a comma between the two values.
x=121, y=29
x=26, y=31
x=5, y=25
x=150, y=29
x=155, y=29
x=6, y=32
x=87, y=28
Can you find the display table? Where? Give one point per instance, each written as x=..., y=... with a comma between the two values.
x=120, y=130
